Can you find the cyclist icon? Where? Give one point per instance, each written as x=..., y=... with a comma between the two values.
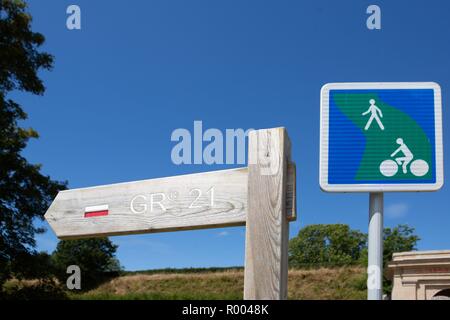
x=389, y=167
x=406, y=159
x=375, y=114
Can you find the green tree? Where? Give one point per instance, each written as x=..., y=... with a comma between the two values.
x=25, y=192
x=399, y=239
x=326, y=244
x=95, y=257
x=402, y=238
x=36, y=266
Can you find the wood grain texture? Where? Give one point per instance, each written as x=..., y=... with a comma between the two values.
x=182, y=205
x=66, y=214
x=267, y=232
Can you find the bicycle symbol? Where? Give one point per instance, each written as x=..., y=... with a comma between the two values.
x=389, y=167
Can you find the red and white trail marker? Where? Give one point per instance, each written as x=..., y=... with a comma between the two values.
x=96, y=211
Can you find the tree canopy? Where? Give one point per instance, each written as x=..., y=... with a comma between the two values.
x=326, y=244
x=25, y=192
x=337, y=244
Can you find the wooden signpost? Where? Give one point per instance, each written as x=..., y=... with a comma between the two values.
x=261, y=196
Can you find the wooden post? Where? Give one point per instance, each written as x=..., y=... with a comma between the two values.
x=267, y=226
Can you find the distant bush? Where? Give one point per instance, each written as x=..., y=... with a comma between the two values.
x=37, y=272
x=37, y=266
x=41, y=290
x=326, y=245
x=95, y=257
x=336, y=245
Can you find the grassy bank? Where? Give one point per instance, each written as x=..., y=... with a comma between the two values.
x=324, y=283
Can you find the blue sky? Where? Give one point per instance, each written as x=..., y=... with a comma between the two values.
x=136, y=72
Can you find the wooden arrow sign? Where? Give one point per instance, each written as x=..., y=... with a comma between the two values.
x=261, y=196
x=204, y=200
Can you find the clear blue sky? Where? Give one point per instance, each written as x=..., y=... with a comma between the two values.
x=140, y=69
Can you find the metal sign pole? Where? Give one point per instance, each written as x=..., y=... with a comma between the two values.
x=375, y=247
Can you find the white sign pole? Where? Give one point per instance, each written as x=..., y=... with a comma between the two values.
x=375, y=247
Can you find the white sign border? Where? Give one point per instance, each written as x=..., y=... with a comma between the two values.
x=324, y=129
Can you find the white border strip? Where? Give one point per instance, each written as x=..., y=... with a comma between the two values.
x=324, y=129
x=96, y=208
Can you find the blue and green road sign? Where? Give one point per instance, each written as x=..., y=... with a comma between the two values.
x=378, y=137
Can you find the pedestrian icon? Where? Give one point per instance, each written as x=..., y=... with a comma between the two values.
x=375, y=113
x=389, y=168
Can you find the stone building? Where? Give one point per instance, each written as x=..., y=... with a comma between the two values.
x=420, y=275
